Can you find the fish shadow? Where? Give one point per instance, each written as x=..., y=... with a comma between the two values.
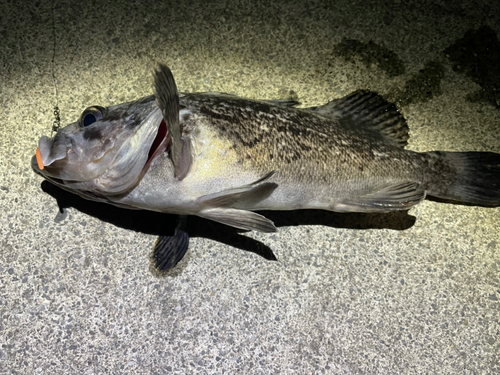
x=161, y=224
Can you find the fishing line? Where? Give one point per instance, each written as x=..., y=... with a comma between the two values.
x=56, y=124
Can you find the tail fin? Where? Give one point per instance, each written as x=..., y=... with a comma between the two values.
x=466, y=177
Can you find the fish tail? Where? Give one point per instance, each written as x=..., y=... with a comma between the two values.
x=465, y=177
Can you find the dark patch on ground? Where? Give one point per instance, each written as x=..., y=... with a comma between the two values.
x=370, y=54
x=477, y=55
x=422, y=87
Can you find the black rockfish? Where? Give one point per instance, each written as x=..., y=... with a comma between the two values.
x=222, y=157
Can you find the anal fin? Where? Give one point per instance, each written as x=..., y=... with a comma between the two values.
x=401, y=196
x=241, y=219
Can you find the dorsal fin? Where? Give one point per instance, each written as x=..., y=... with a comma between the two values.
x=370, y=112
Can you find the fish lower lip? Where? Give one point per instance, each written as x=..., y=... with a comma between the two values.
x=35, y=165
x=39, y=158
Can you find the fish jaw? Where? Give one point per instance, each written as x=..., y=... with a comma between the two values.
x=109, y=156
x=61, y=156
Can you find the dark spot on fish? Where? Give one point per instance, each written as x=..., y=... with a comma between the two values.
x=303, y=147
x=252, y=143
x=288, y=129
x=91, y=134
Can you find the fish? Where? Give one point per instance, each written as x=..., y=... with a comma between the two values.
x=223, y=157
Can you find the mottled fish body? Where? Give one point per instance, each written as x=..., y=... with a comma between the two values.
x=222, y=157
x=236, y=142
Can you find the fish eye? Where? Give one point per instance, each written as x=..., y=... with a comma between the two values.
x=91, y=115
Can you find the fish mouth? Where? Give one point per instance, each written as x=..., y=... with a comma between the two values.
x=125, y=154
x=37, y=168
x=51, y=150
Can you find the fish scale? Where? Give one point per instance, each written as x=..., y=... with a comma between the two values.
x=275, y=138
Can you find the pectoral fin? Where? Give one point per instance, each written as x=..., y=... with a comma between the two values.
x=167, y=98
x=218, y=206
x=243, y=196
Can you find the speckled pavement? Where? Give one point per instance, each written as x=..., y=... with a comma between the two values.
x=345, y=294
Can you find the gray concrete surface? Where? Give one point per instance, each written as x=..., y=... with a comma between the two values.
x=347, y=294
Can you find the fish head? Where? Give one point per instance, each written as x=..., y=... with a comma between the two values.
x=105, y=152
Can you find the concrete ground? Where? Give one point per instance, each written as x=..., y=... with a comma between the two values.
x=345, y=294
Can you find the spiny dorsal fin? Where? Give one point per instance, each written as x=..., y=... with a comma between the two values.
x=370, y=112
